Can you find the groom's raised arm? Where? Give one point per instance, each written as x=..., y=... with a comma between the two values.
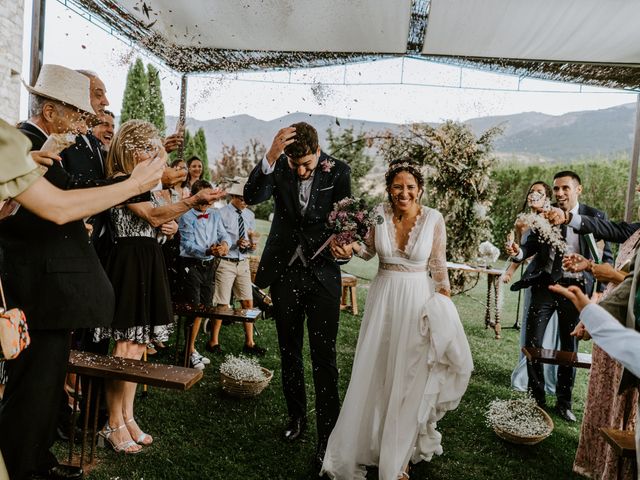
x=260, y=185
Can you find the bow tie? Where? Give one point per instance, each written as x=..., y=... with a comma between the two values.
x=204, y=215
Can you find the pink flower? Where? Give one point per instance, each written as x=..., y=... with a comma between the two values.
x=327, y=165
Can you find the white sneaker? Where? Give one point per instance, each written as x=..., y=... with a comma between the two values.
x=203, y=359
x=196, y=362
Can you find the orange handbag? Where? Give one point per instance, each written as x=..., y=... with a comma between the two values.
x=14, y=334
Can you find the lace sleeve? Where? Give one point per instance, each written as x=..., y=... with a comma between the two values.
x=438, y=260
x=368, y=249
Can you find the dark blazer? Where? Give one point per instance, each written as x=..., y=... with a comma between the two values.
x=84, y=162
x=617, y=232
x=290, y=228
x=545, y=270
x=51, y=271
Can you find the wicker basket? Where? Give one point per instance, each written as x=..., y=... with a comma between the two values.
x=526, y=440
x=245, y=388
x=254, y=261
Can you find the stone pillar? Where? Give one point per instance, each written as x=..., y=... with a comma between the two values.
x=11, y=21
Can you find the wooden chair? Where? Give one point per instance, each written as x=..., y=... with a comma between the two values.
x=349, y=284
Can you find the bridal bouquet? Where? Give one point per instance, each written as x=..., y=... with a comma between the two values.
x=350, y=221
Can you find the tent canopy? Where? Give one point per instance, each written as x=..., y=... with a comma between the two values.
x=580, y=40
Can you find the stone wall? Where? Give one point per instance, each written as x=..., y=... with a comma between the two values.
x=11, y=22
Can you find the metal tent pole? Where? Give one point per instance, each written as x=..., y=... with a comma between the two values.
x=183, y=111
x=37, y=40
x=633, y=169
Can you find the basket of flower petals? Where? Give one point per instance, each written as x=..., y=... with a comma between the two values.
x=519, y=421
x=243, y=377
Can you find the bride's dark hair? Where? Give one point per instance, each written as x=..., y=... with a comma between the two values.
x=403, y=165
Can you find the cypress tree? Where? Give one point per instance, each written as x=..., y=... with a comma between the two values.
x=200, y=149
x=136, y=94
x=155, y=106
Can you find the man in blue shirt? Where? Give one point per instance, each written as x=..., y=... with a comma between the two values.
x=202, y=238
x=233, y=272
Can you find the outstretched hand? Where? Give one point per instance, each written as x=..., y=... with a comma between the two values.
x=573, y=293
x=556, y=216
x=341, y=252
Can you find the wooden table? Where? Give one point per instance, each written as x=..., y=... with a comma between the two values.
x=623, y=443
x=192, y=311
x=493, y=290
x=91, y=365
x=557, y=357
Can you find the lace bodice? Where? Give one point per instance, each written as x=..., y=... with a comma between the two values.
x=426, y=247
x=128, y=224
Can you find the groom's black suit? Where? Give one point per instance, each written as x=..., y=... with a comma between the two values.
x=298, y=290
x=546, y=269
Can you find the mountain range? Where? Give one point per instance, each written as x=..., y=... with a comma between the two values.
x=529, y=137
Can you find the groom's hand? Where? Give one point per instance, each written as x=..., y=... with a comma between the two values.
x=285, y=136
x=341, y=252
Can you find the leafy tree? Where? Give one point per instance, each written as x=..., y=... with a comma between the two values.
x=350, y=148
x=136, y=94
x=155, y=105
x=457, y=182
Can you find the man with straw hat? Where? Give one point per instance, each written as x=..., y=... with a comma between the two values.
x=233, y=273
x=53, y=273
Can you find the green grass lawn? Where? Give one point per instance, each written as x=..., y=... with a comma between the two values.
x=204, y=434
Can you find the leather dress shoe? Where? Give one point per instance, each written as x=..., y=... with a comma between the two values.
x=61, y=472
x=295, y=428
x=566, y=414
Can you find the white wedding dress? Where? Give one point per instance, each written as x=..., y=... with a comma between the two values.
x=412, y=362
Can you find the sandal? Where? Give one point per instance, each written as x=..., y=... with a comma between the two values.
x=122, y=447
x=141, y=440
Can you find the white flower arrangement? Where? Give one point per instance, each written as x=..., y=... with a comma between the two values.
x=518, y=417
x=548, y=233
x=242, y=368
x=489, y=253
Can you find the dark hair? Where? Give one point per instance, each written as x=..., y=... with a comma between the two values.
x=175, y=163
x=110, y=113
x=403, y=165
x=192, y=159
x=306, y=141
x=547, y=192
x=199, y=185
x=568, y=173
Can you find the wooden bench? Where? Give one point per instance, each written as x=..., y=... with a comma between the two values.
x=623, y=443
x=349, y=284
x=557, y=357
x=191, y=311
x=91, y=365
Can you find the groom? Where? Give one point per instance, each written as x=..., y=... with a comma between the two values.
x=305, y=183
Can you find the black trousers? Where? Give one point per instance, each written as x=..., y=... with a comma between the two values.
x=29, y=408
x=543, y=304
x=296, y=294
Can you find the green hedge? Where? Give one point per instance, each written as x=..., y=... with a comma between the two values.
x=604, y=187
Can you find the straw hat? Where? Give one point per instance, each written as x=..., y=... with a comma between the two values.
x=237, y=187
x=65, y=85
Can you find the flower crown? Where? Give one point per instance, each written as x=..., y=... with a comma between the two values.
x=412, y=167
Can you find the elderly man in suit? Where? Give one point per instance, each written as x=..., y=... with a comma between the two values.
x=546, y=269
x=54, y=275
x=305, y=183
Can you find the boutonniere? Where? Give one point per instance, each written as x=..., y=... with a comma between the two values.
x=327, y=165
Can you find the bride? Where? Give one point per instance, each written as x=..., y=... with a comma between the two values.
x=412, y=362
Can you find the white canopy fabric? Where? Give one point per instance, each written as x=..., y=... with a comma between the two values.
x=587, y=31
x=369, y=26
x=588, y=41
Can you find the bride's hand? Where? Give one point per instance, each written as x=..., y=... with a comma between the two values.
x=444, y=292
